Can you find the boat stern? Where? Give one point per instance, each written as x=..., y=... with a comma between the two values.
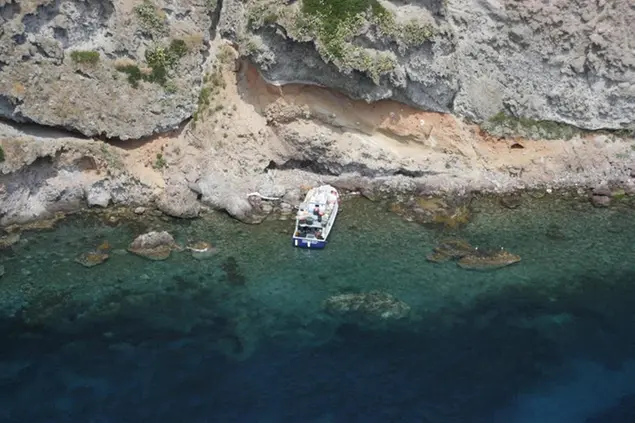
x=313, y=244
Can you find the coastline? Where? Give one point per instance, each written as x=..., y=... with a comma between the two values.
x=273, y=140
x=259, y=300
x=480, y=268
x=558, y=241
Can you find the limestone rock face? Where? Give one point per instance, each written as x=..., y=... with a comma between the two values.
x=179, y=200
x=560, y=61
x=130, y=68
x=117, y=68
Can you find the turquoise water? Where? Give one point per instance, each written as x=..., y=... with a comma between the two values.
x=244, y=336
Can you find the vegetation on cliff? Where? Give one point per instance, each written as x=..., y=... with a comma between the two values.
x=151, y=18
x=161, y=60
x=85, y=57
x=333, y=24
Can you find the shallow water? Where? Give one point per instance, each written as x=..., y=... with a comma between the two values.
x=244, y=337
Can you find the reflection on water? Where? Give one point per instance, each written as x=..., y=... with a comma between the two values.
x=243, y=336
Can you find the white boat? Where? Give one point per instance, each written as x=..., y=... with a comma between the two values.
x=315, y=217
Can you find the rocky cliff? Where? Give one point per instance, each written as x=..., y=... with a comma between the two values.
x=372, y=97
x=566, y=61
x=127, y=69
x=115, y=68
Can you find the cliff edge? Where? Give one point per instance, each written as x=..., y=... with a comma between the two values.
x=128, y=69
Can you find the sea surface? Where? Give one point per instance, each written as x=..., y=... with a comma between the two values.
x=243, y=336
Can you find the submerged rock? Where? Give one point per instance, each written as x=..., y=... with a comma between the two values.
x=1, y=270
x=432, y=210
x=488, y=260
x=470, y=257
x=201, y=250
x=9, y=240
x=555, y=232
x=373, y=305
x=232, y=272
x=451, y=249
x=91, y=258
x=511, y=201
x=153, y=245
x=600, y=200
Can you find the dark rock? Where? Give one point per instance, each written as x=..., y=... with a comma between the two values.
x=600, y=200
x=232, y=272
x=451, y=249
x=451, y=212
x=555, y=232
x=511, y=201
x=602, y=191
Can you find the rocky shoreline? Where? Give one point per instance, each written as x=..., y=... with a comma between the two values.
x=66, y=177
x=255, y=139
x=190, y=107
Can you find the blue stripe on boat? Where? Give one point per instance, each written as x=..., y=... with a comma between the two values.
x=312, y=245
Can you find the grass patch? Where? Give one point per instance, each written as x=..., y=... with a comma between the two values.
x=213, y=84
x=225, y=54
x=334, y=22
x=161, y=60
x=505, y=125
x=151, y=18
x=414, y=33
x=159, y=162
x=133, y=72
x=113, y=160
x=89, y=57
x=1, y=154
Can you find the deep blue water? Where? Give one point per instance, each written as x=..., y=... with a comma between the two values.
x=244, y=337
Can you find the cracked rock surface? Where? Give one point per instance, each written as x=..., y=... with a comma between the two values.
x=67, y=63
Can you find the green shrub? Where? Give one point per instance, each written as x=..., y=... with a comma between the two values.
x=85, y=56
x=152, y=19
x=133, y=72
x=160, y=60
x=178, y=48
x=160, y=162
x=337, y=20
x=1, y=154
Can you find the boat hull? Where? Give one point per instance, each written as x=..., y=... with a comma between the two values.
x=314, y=244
